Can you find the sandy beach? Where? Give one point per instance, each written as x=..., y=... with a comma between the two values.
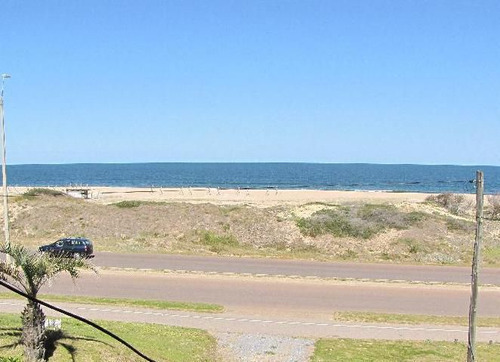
x=234, y=196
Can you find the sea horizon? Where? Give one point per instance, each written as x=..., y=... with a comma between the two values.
x=253, y=162
x=260, y=175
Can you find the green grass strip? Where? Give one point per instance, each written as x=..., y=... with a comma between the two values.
x=386, y=351
x=369, y=317
x=77, y=341
x=125, y=302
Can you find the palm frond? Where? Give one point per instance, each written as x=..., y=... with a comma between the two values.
x=31, y=270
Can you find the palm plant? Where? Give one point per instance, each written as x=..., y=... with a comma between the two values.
x=30, y=271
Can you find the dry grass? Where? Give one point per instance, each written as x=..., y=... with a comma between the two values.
x=405, y=233
x=454, y=203
x=494, y=206
x=412, y=319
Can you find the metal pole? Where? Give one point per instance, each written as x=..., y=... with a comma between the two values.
x=476, y=260
x=4, y=173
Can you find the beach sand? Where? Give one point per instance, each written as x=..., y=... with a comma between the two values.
x=253, y=197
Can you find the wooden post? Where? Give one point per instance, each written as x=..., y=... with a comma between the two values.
x=476, y=260
x=4, y=175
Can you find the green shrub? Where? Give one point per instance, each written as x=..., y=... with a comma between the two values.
x=459, y=225
x=349, y=254
x=414, y=246
x=327, y=222
x=388, y=216
x=357, y=221
x=217, y=243
x=127, y=204
x=415, y=217
x=226, y=210
x=31, y=193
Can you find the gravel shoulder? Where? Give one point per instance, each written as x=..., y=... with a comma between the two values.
x=237, y=347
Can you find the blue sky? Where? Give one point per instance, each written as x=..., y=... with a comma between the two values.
x=252, y=81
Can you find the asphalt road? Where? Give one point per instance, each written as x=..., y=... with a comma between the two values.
x=450, y=274
x=285, y=306
x=271, y=296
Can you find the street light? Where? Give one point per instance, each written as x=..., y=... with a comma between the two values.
x=4, y=173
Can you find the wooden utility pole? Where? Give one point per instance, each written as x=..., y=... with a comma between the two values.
x=4, y=174
x=471, y=349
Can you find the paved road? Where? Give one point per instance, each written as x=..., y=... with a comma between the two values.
x=270, y=296
x=283, y=306
x=276, y=305
x=294, y=267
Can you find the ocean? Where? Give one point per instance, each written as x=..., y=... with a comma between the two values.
x=396, y=178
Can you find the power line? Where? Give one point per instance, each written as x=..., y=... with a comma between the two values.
x=81, y=319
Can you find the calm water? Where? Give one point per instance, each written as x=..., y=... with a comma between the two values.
x=417, y=178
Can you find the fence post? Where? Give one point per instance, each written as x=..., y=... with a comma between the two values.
x=476, y=259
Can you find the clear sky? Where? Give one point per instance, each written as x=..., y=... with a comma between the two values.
x=252, y=81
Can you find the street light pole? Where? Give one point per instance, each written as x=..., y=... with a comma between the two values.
x=4, y=173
